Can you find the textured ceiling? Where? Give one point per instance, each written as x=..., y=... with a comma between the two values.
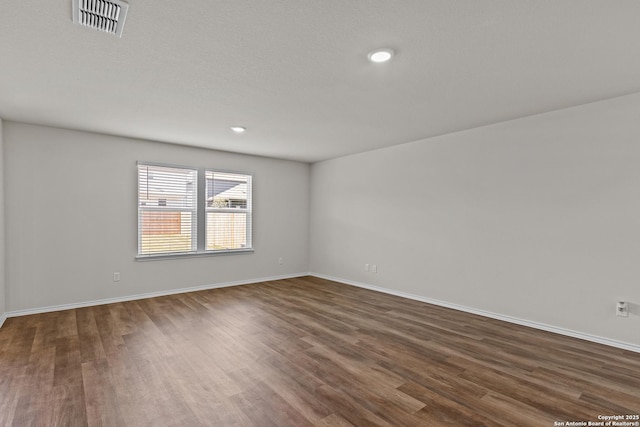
x=295, y=73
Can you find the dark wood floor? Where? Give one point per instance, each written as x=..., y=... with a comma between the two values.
x=301, y=352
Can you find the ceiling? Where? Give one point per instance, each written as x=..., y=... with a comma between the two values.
x=295, y=72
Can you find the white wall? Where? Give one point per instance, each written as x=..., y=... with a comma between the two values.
x=2, y=270
x=536, y=218
x=71, y=218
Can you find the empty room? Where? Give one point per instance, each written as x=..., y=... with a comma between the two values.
x=319, y=213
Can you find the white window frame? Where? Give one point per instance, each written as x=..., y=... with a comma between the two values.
x=199, y=216
x=248, y=210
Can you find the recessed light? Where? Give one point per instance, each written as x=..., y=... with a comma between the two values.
x=238, y=129
x=380, y=55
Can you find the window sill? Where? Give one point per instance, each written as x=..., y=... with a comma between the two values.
x=193, y=255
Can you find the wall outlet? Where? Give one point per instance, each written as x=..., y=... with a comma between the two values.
x=374, y=268
x=622, y=309
x=366, y=267
x=280, y=260
x=116, y=276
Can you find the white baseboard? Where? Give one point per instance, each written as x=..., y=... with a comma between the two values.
x=542, y=326
x=71, y=306
x=536, y=325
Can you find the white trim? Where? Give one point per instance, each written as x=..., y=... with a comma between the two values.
x=542, y=326
x=531, y=324
x=178, y=255
x=72, y=306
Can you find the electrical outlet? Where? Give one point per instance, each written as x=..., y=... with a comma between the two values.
x=622, y=309
x=116, y=276
x=374, y=268
x=280, y=260
x=366, y=267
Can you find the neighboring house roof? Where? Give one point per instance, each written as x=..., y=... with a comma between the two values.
x=223, y=189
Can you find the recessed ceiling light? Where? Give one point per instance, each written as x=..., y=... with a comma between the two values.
x=380, y=55
x=238, y=129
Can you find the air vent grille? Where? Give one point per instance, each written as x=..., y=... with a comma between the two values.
x=102, y=15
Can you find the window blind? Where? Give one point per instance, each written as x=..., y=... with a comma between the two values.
x=167, y=209
x=228, y=211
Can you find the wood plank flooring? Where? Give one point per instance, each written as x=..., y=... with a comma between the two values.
x=301, y=352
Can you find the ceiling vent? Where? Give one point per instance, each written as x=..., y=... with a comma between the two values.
x=103, y=15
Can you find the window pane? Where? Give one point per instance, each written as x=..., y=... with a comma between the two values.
x=228, y=220
x=167, y=210
x=226, y=190
x=166, y=232
x=166, y=187
x=226, y=230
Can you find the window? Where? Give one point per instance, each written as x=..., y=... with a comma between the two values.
x=184, y=211
x=167, y=210
x=228, y=211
